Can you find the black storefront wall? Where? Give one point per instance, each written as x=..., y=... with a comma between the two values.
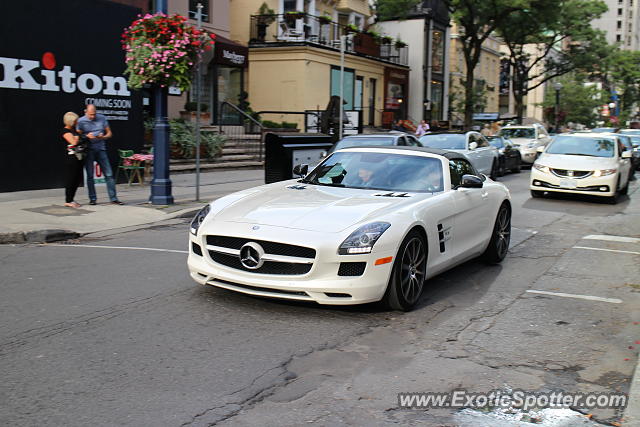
x=57, y=56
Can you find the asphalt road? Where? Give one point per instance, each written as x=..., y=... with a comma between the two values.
x=95, y=332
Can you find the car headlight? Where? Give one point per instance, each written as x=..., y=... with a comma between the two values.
x=501, y=150
x=541, y=168
x=531, y=144
x=604, y=172
x=199, y=219
x=362, y=240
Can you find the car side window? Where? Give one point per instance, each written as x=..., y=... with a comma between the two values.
x=413, y=141
x=458, y=168
x=402, y=141
x=482, y=141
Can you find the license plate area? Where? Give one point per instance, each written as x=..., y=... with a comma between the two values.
x=569, y=184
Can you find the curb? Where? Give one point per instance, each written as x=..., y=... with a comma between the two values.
x=631, y=415
x=56, y=235
x=37, y=236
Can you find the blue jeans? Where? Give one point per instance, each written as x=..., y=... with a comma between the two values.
x=101, y=157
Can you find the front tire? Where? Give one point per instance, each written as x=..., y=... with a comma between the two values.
x=500, y=237
x=536, y=194
x=518, y=166
x=408, y=275
x=494, y=170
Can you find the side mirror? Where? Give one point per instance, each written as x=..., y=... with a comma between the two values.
x=301, y=170
x=626, y=154
x=473, y=145
x=540, y=149
x=471, y=181
x=323, y=154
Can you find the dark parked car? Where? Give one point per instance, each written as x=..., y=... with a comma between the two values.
x=384, y=139
x=510, y=157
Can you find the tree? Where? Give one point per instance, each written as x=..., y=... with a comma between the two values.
x=579, y=100
x=625, y=75
x=477, y=20
x=394, y=9
x=550, y=39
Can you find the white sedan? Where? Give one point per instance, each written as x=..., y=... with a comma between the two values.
x=583, y=163
x=367, y=224
x=483, y=156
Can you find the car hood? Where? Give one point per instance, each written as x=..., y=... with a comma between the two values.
x=563, y=161
x=523, y=141
x=311, y=207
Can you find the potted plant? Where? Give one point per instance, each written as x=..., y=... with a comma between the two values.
x=386, y=39
x=324, y=19
x=153, y=55
x=190, y=110
x=266, y=16
x=351, y=28
x=292, y=16
x=400, y=44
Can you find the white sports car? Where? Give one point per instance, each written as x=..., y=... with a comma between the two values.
x=367, y=224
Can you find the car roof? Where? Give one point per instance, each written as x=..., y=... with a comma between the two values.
x=380, y=134
x=444, y=153
x=450, y=132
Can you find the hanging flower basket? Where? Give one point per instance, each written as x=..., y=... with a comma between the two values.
x=162, y=49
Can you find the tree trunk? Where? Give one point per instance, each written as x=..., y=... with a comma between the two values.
x=469, y=95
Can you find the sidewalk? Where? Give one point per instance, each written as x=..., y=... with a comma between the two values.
x=40, y=215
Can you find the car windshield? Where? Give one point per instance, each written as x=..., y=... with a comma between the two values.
x=379, y=171
x=603, y=130
x=355, y=142
x=452, y=141
x=581, y=146
x=518, y=133
x=635, y=140
x=496, y=141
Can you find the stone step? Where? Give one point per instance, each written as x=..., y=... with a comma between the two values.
x=232, y=150
x=191, y=167
x=236, y=157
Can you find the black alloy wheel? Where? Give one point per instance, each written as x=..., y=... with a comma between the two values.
x=501, y=236
x=408, y=274
x=537, y=194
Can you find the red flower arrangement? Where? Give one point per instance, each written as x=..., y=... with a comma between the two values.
x=162, y=49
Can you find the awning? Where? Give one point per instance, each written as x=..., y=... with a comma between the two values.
x=228, y=52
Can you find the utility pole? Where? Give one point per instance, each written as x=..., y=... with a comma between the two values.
x=161, y=183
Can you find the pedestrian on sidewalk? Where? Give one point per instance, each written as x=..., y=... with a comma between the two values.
x=423, y=128
x=73, y=161
x=96, y=127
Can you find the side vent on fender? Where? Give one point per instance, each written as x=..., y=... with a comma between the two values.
x=444, y=234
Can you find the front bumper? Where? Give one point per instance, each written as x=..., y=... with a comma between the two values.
x=604, y=186
x=321, y=284
x=528, y=155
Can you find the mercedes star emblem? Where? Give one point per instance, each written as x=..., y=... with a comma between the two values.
x=251, y=255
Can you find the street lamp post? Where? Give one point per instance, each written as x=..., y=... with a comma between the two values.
x=557, y=86
x=161, y=183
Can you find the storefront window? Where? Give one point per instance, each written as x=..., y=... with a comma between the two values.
x=436, y=100
x=347, y=88
x=437, y=52
x=229, y=86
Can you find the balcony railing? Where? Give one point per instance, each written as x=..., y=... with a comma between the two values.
x=314, y=30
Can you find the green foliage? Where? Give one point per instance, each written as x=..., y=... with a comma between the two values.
x=193, y=106
x=394, y=9
x=550, y=39
x=183, y=140
x=625, y=75
x=278, y=125
x=578, y=101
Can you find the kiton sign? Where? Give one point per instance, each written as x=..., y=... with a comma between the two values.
x=30, y=75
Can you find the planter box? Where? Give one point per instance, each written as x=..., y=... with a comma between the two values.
x=190, y=116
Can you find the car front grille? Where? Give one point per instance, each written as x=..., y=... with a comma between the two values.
x=269, y=267
x=565, y=173
x=273, y=248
